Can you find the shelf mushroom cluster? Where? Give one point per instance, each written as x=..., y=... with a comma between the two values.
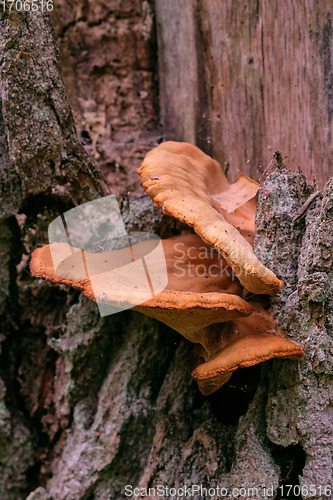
x=207, y=308
x=190, y=186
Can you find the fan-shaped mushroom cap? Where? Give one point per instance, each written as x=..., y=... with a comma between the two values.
x=190, y=301
x=245, y=342
x=189, y=185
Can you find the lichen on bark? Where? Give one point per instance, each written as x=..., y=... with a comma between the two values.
x=300, y=252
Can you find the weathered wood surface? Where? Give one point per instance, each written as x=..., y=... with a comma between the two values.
x=109, y=62
x=243, y=79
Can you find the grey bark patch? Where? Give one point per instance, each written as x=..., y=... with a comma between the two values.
x=304, y=309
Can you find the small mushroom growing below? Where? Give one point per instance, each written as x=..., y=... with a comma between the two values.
x=241, y=343
x=190, y=186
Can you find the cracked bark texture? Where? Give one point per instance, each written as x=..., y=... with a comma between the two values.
x=301, y=252
x=40, y=148
x=90, y=404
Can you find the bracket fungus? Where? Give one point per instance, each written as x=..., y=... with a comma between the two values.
x=190, y=186
x=207, y=307
x=189, y=302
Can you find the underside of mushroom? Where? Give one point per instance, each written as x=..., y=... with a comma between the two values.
x=194, y=297
x=241, y=343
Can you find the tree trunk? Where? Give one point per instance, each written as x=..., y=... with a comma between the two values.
x=244, y=79
x=89, y=405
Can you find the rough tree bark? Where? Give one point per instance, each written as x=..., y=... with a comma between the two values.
x=90, y=404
